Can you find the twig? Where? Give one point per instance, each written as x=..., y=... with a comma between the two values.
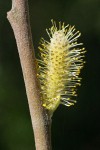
x=18, y=17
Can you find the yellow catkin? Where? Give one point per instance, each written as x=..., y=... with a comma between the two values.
x=59, y=66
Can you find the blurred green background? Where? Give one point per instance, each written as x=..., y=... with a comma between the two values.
x=74, y=128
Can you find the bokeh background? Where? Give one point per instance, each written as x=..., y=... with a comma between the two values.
x=74, y=128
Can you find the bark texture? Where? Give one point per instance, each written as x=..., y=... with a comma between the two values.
x=18, y=17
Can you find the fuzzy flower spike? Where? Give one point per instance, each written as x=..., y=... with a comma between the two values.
x=59, y=66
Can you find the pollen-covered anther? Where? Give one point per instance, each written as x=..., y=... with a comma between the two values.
x=59, y=66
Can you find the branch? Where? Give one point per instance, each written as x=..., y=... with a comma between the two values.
x=18, y=17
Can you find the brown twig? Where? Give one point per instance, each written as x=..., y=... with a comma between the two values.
x=18, y=17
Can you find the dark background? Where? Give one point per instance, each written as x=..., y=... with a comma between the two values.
x=73, y=128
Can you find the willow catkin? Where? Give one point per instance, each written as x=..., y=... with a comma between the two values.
x=59, y=66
